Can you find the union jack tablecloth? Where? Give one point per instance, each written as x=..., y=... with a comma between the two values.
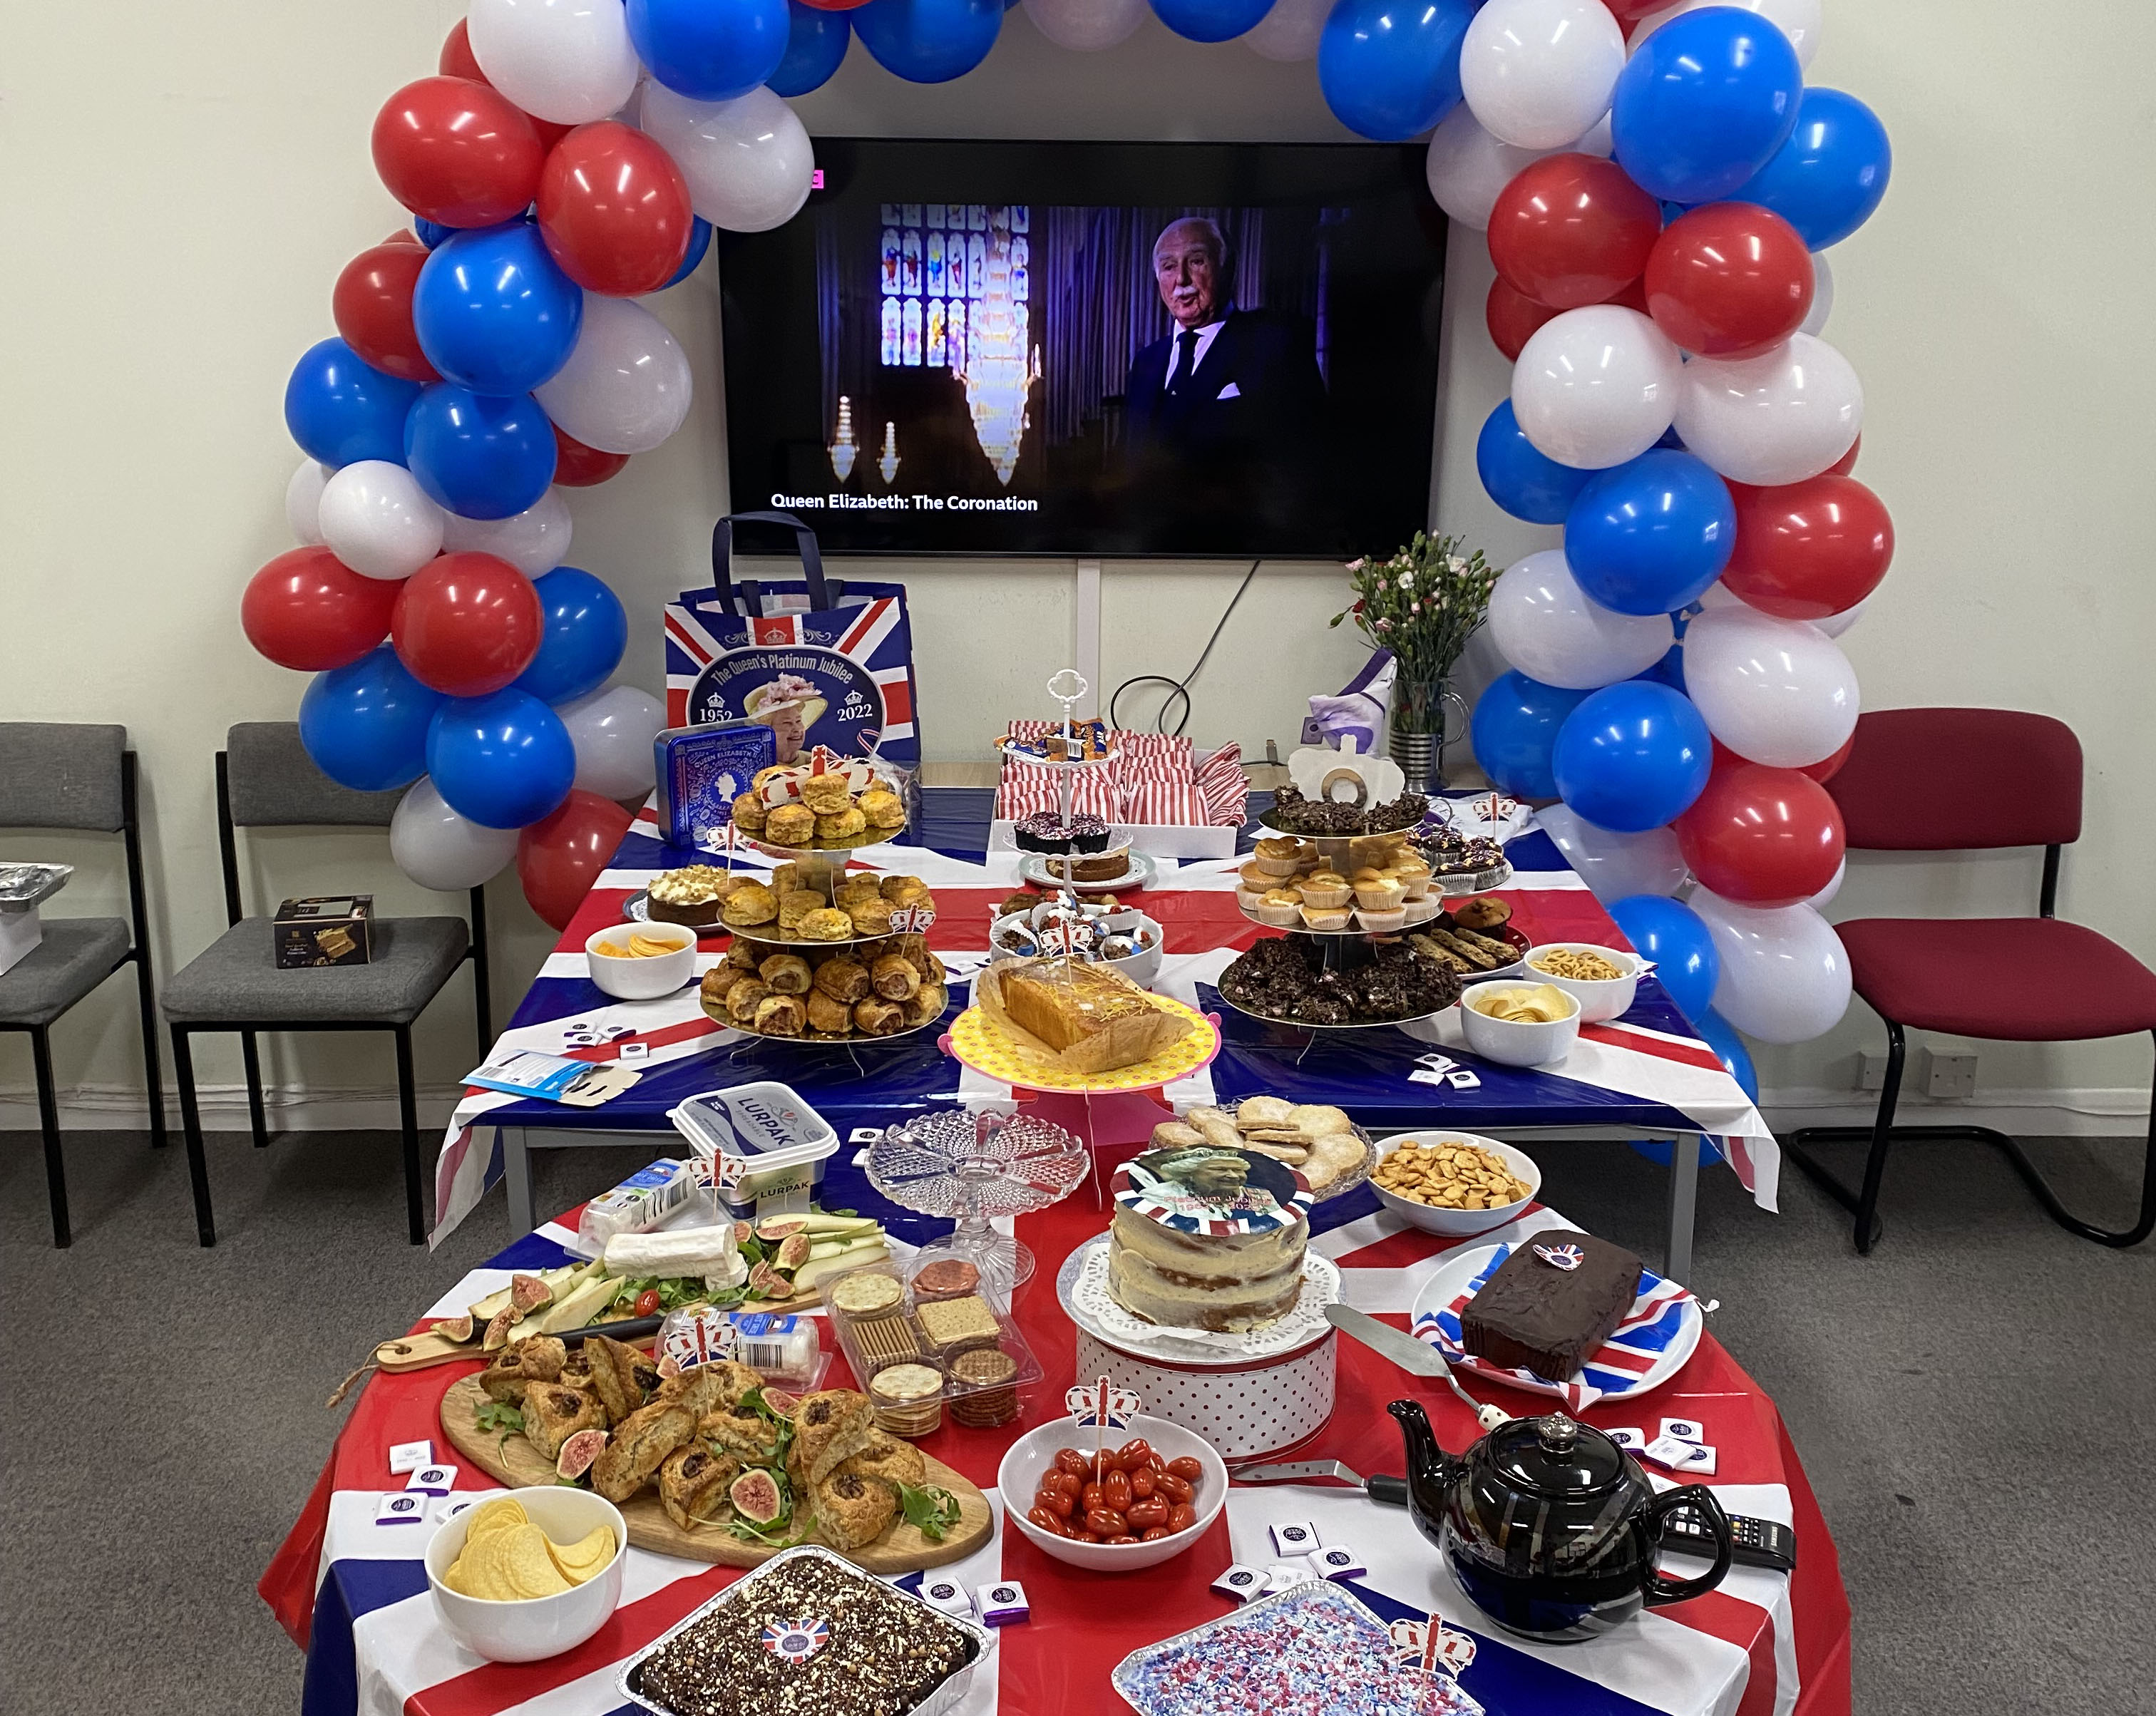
x=353, y=1593
x=1647, y=1070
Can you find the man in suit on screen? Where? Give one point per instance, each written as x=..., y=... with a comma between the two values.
x=1224, y=416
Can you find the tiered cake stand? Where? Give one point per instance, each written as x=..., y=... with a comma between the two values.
x=976, y=1168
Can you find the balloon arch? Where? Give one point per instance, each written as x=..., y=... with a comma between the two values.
x=1657, y=182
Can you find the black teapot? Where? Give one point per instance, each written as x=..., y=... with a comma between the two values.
x=1552, y=1528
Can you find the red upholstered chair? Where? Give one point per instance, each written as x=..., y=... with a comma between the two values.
x=1937, y=780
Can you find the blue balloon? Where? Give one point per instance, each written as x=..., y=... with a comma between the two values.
x=1390, y=68
x=480, y=455
x=1211, y=20
x=1721, y=1036
x=364, y=724
x=699, y=241
x=1514, y=729
x=586, y=633
x=928, y=41
x=1650, y=536
x=341, y=408
x=431, y=232
x=1524, y=480
x=504, y=761
x=1669, y=670
x=1826, y=180
x=709, y=51
x=1633, y=756
x=1704, y=103
x=815, y=43
x=1675, y=937
x=494, y=311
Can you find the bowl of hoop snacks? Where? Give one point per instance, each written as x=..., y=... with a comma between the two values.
x=1603, y=980
x=530, y=1573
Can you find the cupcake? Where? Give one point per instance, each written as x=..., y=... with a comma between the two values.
x=1248, y=898
x=1254, y=875
x=1382, y=920
x=1380, y=893
x=1324, y=918
x=1325, y=889
x=1413, y=876
x=1278, y=857
x=1283, y=908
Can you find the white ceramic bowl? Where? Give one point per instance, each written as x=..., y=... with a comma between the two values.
x=531, y=1628
x=1598, y=998
x=1032, y=1454
x=1140, y=968
x=648, y=978
x=1516, y=1042
x=1459, y=1224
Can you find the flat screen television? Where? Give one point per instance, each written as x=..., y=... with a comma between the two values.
x=1091, y=349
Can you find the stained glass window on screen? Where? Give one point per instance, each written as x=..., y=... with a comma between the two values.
x=955, y=280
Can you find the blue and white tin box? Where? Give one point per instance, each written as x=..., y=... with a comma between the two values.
x=701, y=771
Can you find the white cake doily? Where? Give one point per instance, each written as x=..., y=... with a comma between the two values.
x=1082, y=1287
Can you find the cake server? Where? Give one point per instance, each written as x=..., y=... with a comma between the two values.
x=1391, y=1491
x=1416, y=1358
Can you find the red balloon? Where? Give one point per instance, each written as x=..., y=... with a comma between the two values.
x=1626, y=12
x=614, y=210
x=466, y=625
x=1512, y=318
x=1730, y=280
x=1827, y=767
x=1808, y=550
x=373, y=305
x=1764, y=836
x=457, y=152
x=459, y=61
x=307, y=610
x=577, y=466
x=1571, y=230
x=834, y=5
x=1847, y=463
x=559, y=856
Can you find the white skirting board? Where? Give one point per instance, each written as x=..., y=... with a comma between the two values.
x=2059, y=1113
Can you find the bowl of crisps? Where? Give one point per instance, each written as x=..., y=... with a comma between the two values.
x=1519, y=1023
x=528, y=1575
x=1457, y=1183
x=641, y=961
x=1603, y=980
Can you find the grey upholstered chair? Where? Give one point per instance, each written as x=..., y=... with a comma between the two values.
x=264, y=780
x=56, y=776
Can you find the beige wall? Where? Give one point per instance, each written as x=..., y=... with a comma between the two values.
x=182, y=187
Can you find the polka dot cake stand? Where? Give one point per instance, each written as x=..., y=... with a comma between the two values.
x=976, y=1168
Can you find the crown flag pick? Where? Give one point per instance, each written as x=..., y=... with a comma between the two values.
x=1433, y=1645
x=1101, y=1406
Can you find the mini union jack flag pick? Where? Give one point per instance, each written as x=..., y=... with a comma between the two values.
x=914, y=919
x=1432, y=1644
x=796, y=1640
x=1100, y=1405
x=1565, y=1257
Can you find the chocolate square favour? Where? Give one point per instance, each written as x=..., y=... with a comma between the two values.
x=1550, y=1303
x=1242, y=1583
x=1002, y=1603
x=1335, y=1561
x=946, y=1594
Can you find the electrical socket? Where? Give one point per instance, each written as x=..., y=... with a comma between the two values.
x=1870, y=1072
x=1949, y=1073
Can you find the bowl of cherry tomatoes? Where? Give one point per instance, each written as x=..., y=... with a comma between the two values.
x=1143, y=1501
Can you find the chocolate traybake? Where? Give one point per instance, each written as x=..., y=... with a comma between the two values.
x=1535, y=1313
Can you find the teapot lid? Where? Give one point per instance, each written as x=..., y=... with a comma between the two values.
x=1554, y=1455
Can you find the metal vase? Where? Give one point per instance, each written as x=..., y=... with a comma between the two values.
x=1422, y=725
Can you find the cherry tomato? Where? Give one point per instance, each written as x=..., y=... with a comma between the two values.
x=1058, y=1504
x=1154, y=1533
x=1106, y=1522
x=1046, y=1520
x=1064, y=1482
x=1142, y=1514
x=1188, y=1469
x=1091, y=1497
x=1182, y=1517
x=1078, y=1535
x=1124, y=1539
x=1154, y=1462
x=647, y=1303
x=1142, y=1483
x=1132, y=1454
x=1116, y=1491
x=1079, y=1466
x=1173, y=1487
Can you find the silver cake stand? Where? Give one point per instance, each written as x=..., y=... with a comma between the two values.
x=975, y=1168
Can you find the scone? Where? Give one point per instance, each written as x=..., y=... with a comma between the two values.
x=845, y=824
x=828, y=924
x=790, y=825
x=826, y=794
x=882, y=808
x=750, y=903
x=749, y=814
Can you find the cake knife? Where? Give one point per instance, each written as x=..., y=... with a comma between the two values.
x=1416, y=1358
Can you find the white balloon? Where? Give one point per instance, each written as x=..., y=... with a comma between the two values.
x=302, y=501
x=1596, y=387
x=626, y=386
x=1779, y=418
x=534, y=541
x=1785, y=974
x=1538, y=72
x=1548, y=630
x=1290, y=30
x=438, y=849
x=1834, y=625
x=569, y=61
x=1467, y=168
x=378, y=520
x=613, y=731
x=1616, y=866
x=1822, y=296
x=1824, y=896
x=1777, y=692
x=1086, y=26
x=1797, y=19
x=748, y=162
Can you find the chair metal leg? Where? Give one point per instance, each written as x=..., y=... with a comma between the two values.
x=183, y=1073
x=252, y=1057
x=407, y=1111
x=48, y=1121
x=153, y=1075
x=1864, y=1205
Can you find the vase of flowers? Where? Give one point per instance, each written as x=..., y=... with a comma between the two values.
x=1423, y=604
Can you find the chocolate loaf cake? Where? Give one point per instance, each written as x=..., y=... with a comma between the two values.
x=1535, y=1314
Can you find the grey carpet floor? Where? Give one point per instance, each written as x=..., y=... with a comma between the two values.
x=1974, y=1403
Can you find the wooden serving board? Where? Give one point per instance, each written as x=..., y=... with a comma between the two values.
x=512, y=1460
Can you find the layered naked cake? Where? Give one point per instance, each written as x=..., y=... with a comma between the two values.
x=1208, y=1238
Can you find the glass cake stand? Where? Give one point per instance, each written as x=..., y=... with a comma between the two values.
x=975, y=1168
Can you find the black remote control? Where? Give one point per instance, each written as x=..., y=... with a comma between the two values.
x=1753, y=1543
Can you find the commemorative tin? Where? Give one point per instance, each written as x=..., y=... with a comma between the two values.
x=701, y=771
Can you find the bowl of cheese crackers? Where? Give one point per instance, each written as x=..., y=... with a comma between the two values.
x=1315, y=1139
x=1454, y=1182
x=528, y=1575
